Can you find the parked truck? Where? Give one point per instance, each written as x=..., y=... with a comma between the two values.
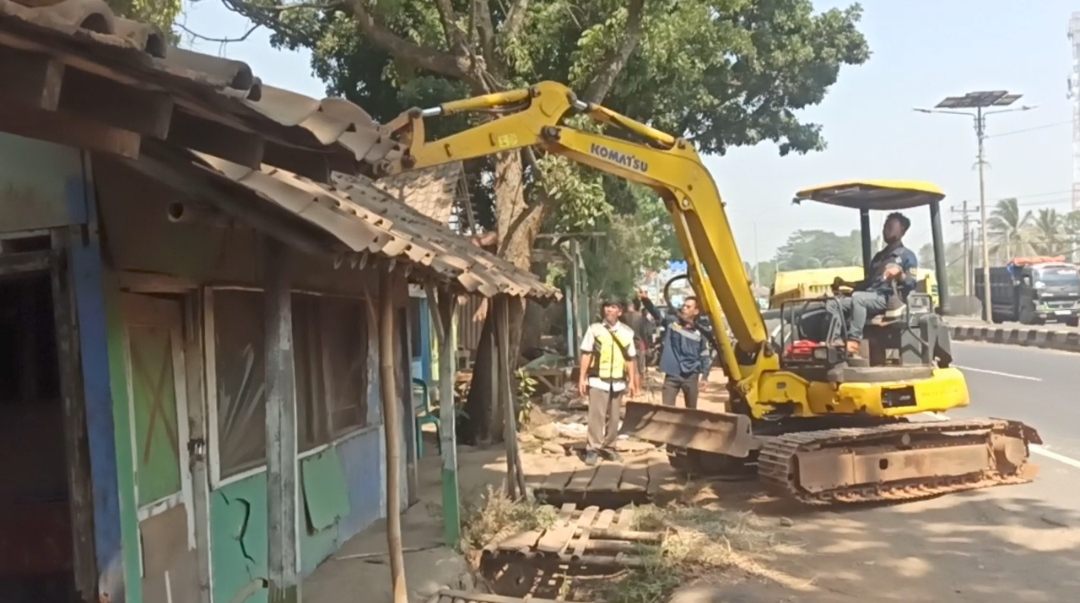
x=1033, y=291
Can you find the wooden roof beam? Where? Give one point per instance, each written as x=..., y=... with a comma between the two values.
x=217, y=139
x=30, y=79
x=101, y=99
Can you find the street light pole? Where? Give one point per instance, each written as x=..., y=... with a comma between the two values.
x=980, y=134
x=979, y=101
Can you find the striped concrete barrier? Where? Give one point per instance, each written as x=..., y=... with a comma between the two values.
x=1037, y=337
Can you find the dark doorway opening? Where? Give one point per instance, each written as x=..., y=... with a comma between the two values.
x=36, y=558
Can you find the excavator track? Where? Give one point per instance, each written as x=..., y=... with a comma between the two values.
x=903, y=461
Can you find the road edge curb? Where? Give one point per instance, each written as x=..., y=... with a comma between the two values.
x=1066, y=341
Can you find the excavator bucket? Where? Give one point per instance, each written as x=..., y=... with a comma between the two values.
x=717, y=432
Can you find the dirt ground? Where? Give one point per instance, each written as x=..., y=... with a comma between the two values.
x=998, y=544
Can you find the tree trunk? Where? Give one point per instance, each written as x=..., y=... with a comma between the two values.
x=517, y=224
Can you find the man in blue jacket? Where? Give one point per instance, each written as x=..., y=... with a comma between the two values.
x=893, y=265
x=685, y=358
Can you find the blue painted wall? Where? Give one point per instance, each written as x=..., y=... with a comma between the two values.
x=238, y=518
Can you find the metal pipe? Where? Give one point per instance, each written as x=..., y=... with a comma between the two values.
x=864, y=230
x=940, y=262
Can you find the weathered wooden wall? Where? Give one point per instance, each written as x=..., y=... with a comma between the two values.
x=342, y=483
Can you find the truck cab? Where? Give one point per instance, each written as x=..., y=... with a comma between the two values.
x=1033, y=291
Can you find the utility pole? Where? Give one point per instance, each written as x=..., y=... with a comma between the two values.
x=965, y=221
x=979, y=101
x=757, y=260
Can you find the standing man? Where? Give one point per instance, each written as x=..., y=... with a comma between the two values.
x=607, y=372
x=642, y=327
x=684, y=358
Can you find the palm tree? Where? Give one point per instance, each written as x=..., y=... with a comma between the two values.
x=1071, y=228
x=1007, y=229
x=1048, y=238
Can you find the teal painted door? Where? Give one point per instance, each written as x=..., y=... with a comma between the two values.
x=154, y=357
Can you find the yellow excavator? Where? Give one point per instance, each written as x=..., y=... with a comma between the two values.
x=819, y=429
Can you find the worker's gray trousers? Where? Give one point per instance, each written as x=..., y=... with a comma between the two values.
x=858, y=309
x=604, y=412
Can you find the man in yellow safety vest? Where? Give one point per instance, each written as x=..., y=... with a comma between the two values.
x=607, y=373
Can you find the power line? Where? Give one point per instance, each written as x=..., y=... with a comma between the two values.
x=1031, y=129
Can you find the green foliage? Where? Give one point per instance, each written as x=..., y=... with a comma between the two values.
x=954, y=264
x=495, y=515
x=637, y=240
x=819, y=249
x=1008, y=230
x=526, y=389
x=723, y=72
x=161, y=13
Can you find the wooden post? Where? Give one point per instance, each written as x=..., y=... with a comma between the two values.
x=281, y=473
x=515, y=477
x=391, y=425
x=442, y=319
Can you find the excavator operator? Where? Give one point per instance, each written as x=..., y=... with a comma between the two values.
x=891, y=278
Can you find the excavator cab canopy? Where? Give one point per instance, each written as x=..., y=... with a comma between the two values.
x=889, y=196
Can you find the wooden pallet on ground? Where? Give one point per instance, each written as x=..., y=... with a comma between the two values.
x=455, y=596
x=593, y=537
x=607, y=485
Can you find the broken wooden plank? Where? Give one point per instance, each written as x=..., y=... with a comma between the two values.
x=625, y=518
x=632, y=535
x=517, y=542
x=558, y=536
x=635, y=476
x=603, y=522
x=583, y=524
x=581, y=480
x=454, y=595
x=660, y=474
x=556, y=482
x=607, y=478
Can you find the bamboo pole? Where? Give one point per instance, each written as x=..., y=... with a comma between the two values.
x=442, y=308
x=391, y=429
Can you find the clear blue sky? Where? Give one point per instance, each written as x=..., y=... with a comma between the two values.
x=923, y=50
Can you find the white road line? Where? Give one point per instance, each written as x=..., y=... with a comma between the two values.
x=1050, y=454
x=998, y=373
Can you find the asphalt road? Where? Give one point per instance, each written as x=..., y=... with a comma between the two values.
x=1009, y=543
x=1039, y=387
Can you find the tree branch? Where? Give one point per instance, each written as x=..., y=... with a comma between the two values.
x=515, y=18
x=455, y=38
x=408, y=51
x=485, y=30
x=605, y=75
x=199, y=36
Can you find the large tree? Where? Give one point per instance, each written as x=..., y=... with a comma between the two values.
x=722, y=72
x=819, y=249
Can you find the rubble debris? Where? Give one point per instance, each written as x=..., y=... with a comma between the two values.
x=554, y=448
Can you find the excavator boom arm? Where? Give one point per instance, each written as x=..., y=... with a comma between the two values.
x=533, y=118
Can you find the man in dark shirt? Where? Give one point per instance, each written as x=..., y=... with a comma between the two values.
x=685, y=358
x=895, y=264
x=643, y=330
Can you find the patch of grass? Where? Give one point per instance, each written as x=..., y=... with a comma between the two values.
x=699, y=541
x=495, y=515
x=649, y=584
